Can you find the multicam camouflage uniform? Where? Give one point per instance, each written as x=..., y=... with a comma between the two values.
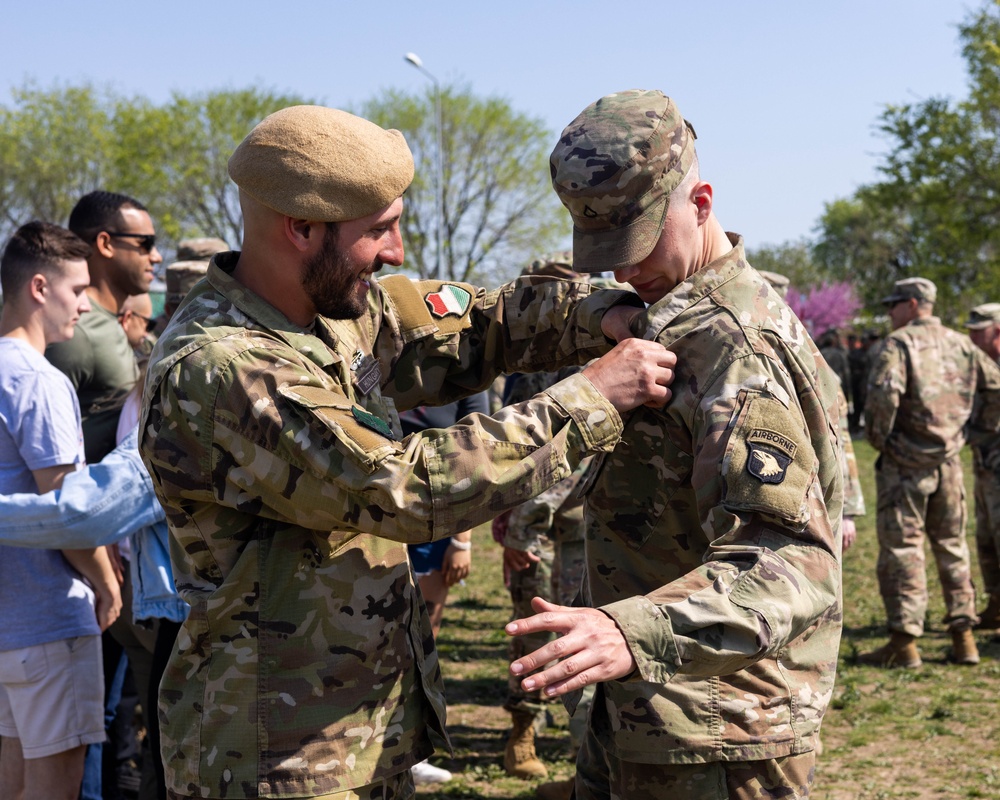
x=307, y=664
x=551, y=526
x=926, y=384
x=714, y=538
x=986, y=465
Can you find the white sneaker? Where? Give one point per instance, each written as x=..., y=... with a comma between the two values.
x=426, y=772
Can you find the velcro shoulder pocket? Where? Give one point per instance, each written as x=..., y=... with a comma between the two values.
x=769, y=463
x=364, y=437
x=427, y=307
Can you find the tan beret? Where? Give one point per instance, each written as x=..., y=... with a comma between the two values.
x=316, y=163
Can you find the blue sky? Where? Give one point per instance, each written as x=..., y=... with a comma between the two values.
x=784, y=95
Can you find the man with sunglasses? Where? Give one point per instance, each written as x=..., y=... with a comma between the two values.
x=137, y=320
x=99, y=360
x=101, y=364
x=929, y=387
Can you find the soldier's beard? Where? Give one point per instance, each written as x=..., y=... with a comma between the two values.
x=331, y=281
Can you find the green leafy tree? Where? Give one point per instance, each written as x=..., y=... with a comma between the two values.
x=58, y=144
x=792, y=259
x=499, y=207
x=936, y=211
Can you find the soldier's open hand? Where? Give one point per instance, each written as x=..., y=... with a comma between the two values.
x=636, y=372
x=590, y=649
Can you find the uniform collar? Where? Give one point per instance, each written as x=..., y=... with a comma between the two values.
x=695, y=288
x=316, y=343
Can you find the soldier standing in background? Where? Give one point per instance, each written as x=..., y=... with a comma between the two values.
x=714, y=527
x=927, y=383
x=984, y=330
x=543, y=556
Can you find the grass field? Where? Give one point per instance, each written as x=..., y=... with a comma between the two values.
x=921, y=734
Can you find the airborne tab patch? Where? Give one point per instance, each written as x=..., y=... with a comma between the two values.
x=450, y=300
x=369, y=420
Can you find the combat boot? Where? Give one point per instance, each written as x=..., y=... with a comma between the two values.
x=901, y=651
x=557, y=790
x=963, y=647
x=990, y=618
x=519, y=758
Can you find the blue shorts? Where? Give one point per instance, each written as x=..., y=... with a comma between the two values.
x=428, y=557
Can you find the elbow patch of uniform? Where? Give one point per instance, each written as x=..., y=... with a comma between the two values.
x=769, y=463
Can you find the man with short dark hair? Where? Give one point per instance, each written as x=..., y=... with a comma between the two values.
x=984, y=330
x=99, y=360
x=928, y=388
x=307, y=667
x=50, y=653
x=712, y=594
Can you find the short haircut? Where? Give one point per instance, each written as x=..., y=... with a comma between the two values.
x=99, y=211
x=37, y=247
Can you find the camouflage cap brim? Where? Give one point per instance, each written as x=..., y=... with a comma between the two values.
x=608, y=250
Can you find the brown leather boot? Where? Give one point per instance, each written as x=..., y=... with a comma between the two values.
x=519, y=758
x=557, y=790
x=990, y=618
x=963, y=647
x=901, y=651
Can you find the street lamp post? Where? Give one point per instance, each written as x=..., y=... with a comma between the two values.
x=414, y=59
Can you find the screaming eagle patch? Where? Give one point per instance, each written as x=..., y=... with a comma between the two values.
x=769, y=455
x=449, y=300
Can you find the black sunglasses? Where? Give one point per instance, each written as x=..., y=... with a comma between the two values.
x=147, y=241
x=150, y=321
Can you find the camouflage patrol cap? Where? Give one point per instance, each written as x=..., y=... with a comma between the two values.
x=778, y=282
x=983, y=316
x=614, y=168
x=180, y=277
x=557, y=265
x=316, y=163
x=912, y=289
x=200, y=249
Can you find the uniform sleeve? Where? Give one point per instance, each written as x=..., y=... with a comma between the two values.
x=985, y=419
x=534, y=519
x=886, y=385
x=288, y=448
x=96, y=505
x=772, y=567
x=854, y=499
x=435, y=348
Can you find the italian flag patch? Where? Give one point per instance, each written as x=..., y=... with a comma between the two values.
x=449, y=299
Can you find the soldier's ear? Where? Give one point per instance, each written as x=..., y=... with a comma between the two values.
x=301, y=233
x=701, y=196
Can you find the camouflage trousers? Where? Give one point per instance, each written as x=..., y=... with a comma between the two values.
x=556, y=578
x=915, y=505
x=988, y=527
x=397, y=787
x=601, y=776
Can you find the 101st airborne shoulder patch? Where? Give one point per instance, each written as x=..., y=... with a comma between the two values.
x=449, y=300
x=769, y=455
x=372, y=422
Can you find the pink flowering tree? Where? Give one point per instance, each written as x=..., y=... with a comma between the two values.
x=829, y=305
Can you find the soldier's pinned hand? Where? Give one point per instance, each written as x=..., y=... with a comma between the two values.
x=590, y=649
x=635, y=373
